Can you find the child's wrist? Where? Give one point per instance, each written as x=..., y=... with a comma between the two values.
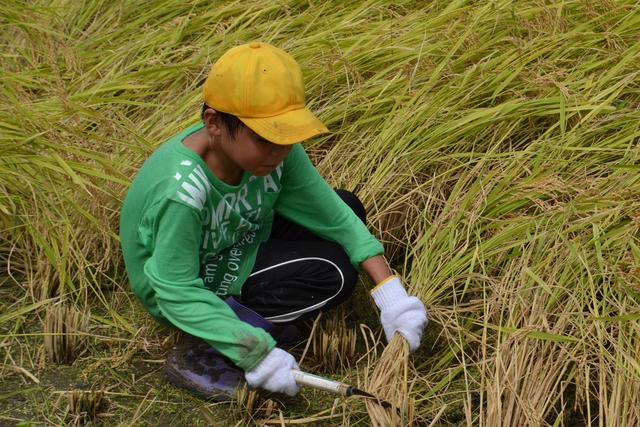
x=388, y=292
x=382, y=282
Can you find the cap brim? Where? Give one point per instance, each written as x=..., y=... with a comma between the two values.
x=288, y=128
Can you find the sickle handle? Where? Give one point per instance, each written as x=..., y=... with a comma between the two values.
x=303, y=378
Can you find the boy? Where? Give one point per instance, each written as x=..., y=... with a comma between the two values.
x=230, y=234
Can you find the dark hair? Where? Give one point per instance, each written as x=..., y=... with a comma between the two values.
x=231, y=122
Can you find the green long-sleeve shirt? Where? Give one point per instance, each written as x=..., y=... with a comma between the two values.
x=189, y=238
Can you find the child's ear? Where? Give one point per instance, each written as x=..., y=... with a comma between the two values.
x=212, y=122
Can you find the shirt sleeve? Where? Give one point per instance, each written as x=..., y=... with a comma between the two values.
x=308, y=200
x=173, y=273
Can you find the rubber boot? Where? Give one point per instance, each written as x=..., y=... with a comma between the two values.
x=197, y=367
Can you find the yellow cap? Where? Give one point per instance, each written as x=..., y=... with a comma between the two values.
x=262, y=86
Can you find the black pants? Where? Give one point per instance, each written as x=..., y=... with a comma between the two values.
x=297, y=273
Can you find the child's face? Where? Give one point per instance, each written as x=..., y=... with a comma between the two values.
x=246, y=150
x=252, y=153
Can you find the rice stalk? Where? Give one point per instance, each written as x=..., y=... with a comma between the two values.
x=332, y=343
x=83, y=407
x=391, y=381
x=65, y=328
x=250, y=405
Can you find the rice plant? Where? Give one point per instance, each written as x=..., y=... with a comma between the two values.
x=391, y=381
x=65, y=333
x=250, y=406
x=494, y=144
x=83, y=407
x=331, y=344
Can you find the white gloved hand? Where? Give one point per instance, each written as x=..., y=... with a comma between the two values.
x=273, y=373
x=400, y=312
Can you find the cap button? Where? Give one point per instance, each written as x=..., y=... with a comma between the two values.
x=254, y=45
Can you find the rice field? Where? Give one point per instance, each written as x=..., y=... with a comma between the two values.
x=495, y=144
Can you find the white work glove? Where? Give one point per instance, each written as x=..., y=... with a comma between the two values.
x=273, y=373
x=400, y=312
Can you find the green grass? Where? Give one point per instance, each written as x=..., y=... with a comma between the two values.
x=495, y=145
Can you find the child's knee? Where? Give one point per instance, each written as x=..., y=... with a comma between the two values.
x=345, y=285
